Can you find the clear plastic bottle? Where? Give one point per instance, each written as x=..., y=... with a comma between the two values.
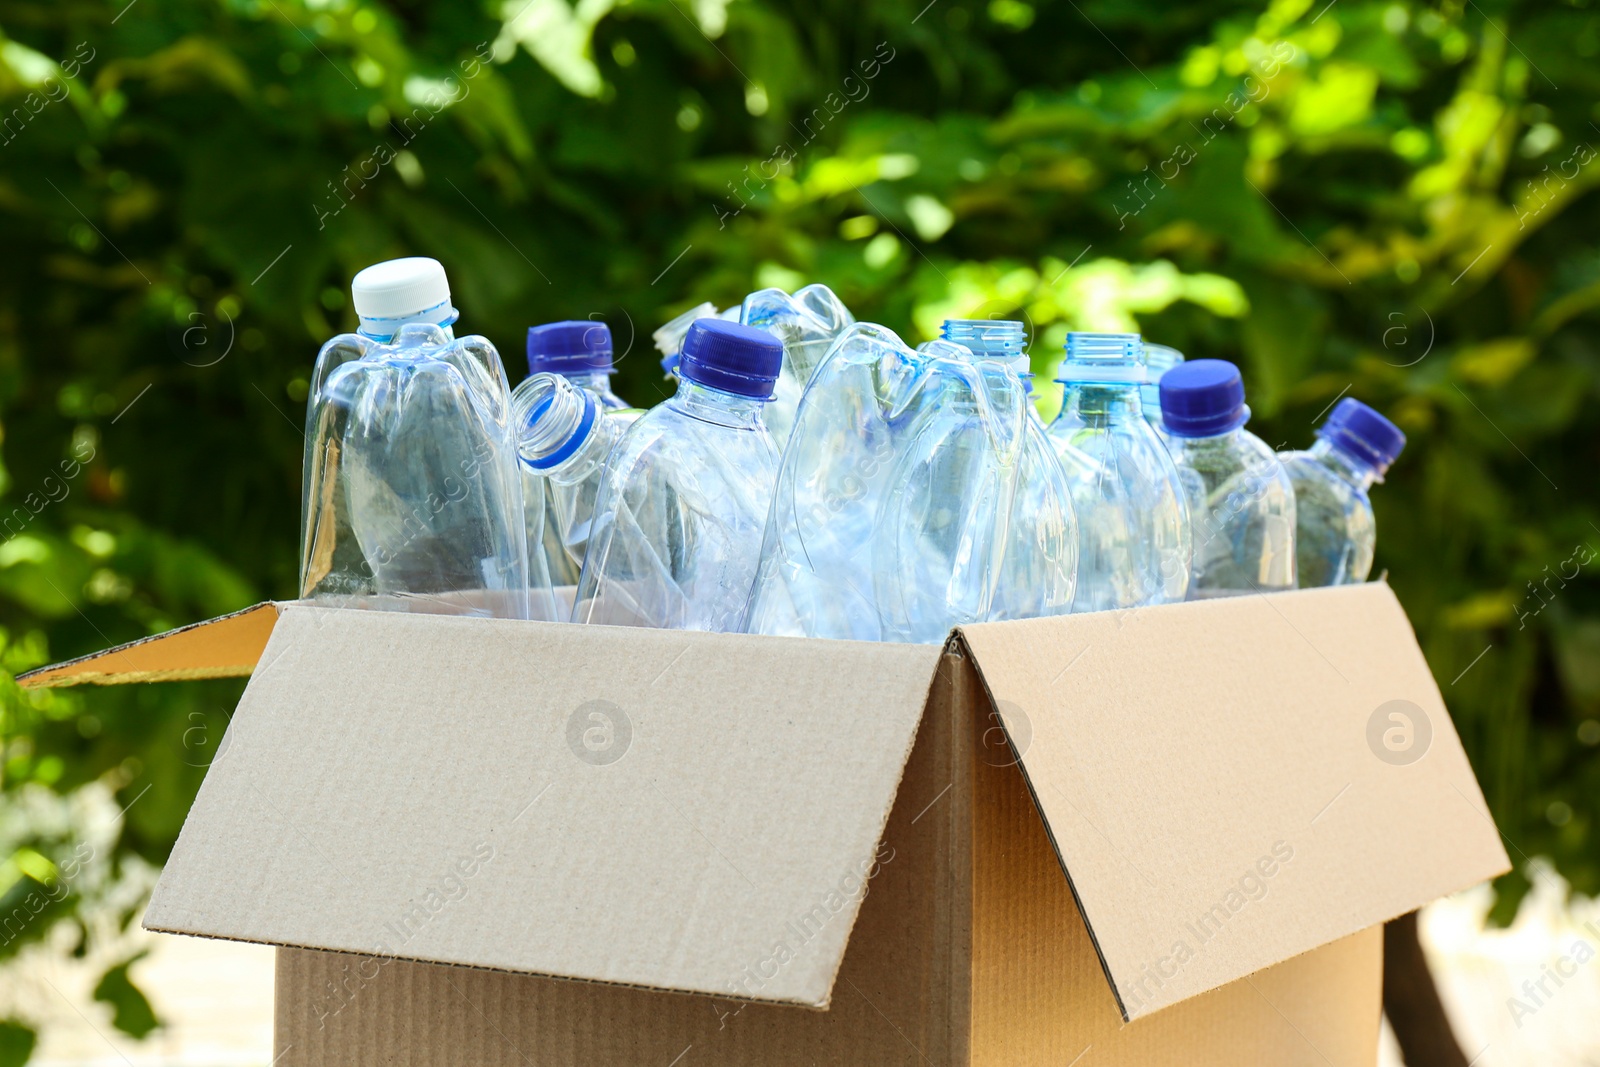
x=580, y=351
x=1133, y=523
x=669, y=338
x=897, y=498
x=1335, y=529
x=1158, y=359
x=565, y=438
x=683, y=500
x=412, y=496
x=807, y=323
x=1039, y=573
x=1241, y=504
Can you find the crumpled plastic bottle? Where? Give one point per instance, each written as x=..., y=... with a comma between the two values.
x=896, y=500
x=807, y=323
x=683, y=500
x=412, y=496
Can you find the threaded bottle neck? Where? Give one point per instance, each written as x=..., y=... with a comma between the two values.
x=553, y=419
x=987, y=338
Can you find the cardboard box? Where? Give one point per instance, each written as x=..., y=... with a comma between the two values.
x=1162, y=836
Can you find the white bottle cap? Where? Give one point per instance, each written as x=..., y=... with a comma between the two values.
x=400, y=288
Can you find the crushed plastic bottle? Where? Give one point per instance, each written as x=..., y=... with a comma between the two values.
x=1133, y=523
x=807, y=323
x=916, y=454
x=683, y=500
x=1158, y=359
x=1241, y=503
x=1039, y=573
x=412, y=497
x=1335, y=529
x=580, y=351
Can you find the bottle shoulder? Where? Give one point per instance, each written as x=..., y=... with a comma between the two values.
x=670, y=440
x=1307, y=473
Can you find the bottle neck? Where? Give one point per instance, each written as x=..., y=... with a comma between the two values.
x=392, y=331
x=597, y=382
x=1346, y=465
x=555, y=422
x=1102, y=400
x=715, y=406
x=1222, y=441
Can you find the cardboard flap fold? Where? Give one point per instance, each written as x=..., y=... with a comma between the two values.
x=225, y=647
x=1229, y=783
x=644, y=807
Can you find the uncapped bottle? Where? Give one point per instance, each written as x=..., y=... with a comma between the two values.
x=1133, y=522
x=580, y=352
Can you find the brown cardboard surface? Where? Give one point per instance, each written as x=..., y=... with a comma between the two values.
x=1040, y=999
x=224, y=647
x=1206, y=777
x=901, y=999
x=642, y=807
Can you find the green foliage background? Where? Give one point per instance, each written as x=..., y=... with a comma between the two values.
x=1386, y=200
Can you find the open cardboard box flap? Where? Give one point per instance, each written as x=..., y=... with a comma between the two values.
x=1209, y=774
x=635, y=806
x=658, y=808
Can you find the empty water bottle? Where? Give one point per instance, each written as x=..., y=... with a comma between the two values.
x=1039, y=573
x=1133, y=523
x=564, y=438
x=412, y=497
x=683, y=501
x=1336, y=532
x=669, y=338
x=1158, y=359
x=580, y=351
x=807, y=324
x=898, y=499
x=1241, y=504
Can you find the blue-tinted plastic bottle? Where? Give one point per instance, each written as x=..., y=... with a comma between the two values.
x=1241, y=504
x=1336, y=532
x=683, y=501
x=1133, y=523
x=1158, y=359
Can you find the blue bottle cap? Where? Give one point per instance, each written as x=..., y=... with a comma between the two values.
x=731, y=357
x=1203, y=398
x=574, y=347
x=1363, y=432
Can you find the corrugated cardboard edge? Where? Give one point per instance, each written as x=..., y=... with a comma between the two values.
x=130, y=663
